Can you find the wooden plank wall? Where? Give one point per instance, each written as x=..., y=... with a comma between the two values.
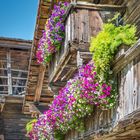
x=99, y=122
x=1, y=125
x=129, y=87
x=132, y=15
x=14, y=122
x=80, y=25
x=13, y=70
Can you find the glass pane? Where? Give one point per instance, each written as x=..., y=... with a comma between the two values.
x=18, y=90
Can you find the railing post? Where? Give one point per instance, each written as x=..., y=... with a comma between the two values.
x=9, y=72
x=79, y=60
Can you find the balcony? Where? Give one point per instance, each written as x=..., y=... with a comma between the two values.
x=81, y=23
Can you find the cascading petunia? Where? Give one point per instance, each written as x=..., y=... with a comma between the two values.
x=53, y=35
x=74, y=101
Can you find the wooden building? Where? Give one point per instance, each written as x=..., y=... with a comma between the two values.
x=122, y=122
x=14, y=65
x=30, y=87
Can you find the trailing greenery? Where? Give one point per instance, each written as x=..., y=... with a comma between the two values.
x=29, y=125
x=106, y=43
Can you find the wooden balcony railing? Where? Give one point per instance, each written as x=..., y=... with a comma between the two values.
x=81, y=23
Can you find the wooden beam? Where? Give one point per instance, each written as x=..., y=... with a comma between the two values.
x=33, y=110
x=46, y=98
x=24, y=71
x=71, y=70
x=2, y=103
x=39, y=83
x=61, y=68
x=100, y=7
x=1, y=106
x=17, y=46
x=9, y=72
x=126, y=57
x=58, y=84
x=59, y=65
x=19, y=78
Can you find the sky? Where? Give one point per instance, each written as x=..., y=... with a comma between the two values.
x=18, y=18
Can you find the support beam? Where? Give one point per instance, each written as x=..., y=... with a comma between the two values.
x=39, y=83
x=34, y=110
x=100, y=7
x=9, y=72
x=2, y=103
x=1, y=106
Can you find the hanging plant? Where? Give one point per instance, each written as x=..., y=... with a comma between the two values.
x=105, y=45
x=73, y=103
x=54, y=34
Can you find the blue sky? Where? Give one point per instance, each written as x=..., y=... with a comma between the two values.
x=18, y=18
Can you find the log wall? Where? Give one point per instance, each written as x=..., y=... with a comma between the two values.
x=14, y=61
x=132, y=15
x=14, y=122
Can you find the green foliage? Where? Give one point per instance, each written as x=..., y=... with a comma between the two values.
x=105, y=45
x=29, y=125
x=59, y=135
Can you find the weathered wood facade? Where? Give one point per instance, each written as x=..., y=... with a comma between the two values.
x=14, y=63
x=82, y=22
x=120, y=123
x=37, y=86
x=79, y=27
x=21, y=74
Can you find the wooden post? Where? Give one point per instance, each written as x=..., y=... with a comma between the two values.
x=39, y=83
x=9, y=72
x=34, y=110
x=79, y=60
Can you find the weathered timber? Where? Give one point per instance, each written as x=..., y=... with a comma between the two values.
x=39, y=83
x=14, y=122
x=126, y=56
x=15, y=43
x=132, y=15
x=13, y=65
x=78, y=28
x=100, y=7
x=2, y=103
x=33, y=110
x=33, y=86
